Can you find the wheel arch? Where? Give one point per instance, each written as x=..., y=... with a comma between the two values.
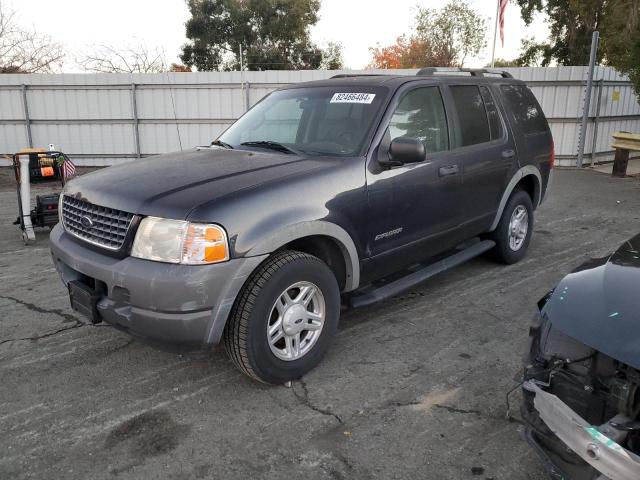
x=528, y=178
x=328, y=241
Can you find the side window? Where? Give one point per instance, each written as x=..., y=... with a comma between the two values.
x=474, y=125
x=279, y=123
x=525, y=108
x=420, y=115
x=495, y=125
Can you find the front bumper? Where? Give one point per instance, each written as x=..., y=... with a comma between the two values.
x=597, y=446
x=186, y=305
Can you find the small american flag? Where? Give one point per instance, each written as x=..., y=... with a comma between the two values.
x=68, y=168
x=501, y=9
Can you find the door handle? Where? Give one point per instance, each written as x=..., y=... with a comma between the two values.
x=508, y=154
x=448, y=170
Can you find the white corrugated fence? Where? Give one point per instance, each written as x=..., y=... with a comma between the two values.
x=102, y=119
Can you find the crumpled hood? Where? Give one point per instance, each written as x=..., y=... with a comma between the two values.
x=598, y=304
x=173, y=184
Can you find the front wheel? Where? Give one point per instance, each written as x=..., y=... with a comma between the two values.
x=284, y=318
x=513, y=233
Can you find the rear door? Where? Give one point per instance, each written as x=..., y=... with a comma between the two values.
x=485, y=151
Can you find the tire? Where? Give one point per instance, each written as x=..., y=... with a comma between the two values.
x=504, y=250
x=260, y=308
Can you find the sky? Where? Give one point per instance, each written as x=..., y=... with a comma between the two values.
x=356, y=24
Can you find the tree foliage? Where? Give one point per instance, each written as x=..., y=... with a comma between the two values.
x=455, y=33
x=273, y=35
x=407, y=52
x=621, y=38
x=441, y=38
x=332, y=57
x=503, y=63
x=572, y=23
x=25, y=51
x=130, y=59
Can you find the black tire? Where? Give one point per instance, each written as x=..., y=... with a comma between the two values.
x=245, y=337
x=503, y=251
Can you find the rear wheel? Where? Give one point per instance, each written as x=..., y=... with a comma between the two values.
x=284, y=318
x=513, y=233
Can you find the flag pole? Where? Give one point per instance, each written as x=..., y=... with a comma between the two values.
x=495, y=34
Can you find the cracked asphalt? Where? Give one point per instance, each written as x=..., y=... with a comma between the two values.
x=413, y=387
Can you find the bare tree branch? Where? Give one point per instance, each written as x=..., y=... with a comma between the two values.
x=130, y=59
x=24, y=51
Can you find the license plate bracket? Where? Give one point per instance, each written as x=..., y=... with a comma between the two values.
x=84, y=300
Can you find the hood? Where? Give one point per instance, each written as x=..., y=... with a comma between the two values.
x=598, y=304
x=173, y=184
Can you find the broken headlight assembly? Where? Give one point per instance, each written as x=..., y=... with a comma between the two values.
x=564, y=375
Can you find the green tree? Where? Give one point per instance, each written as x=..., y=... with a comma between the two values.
x=440, y=38
x=572, y=23
x=273, y=34
x=621, y=38
x=454, y=33
x=332, y=57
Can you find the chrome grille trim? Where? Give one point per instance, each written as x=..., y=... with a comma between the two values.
x=110, y=226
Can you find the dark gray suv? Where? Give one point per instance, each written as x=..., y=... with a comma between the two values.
x=347, y=190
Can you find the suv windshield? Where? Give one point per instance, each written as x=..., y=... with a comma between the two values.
x=317, y=121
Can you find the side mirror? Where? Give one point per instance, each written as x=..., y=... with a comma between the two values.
x=405, y=150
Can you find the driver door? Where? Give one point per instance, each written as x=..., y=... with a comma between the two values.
x=414, y=209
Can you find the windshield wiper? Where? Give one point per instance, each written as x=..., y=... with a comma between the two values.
x=271, y=146
x=220, y=143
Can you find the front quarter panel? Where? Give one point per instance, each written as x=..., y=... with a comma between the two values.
x=329, y=201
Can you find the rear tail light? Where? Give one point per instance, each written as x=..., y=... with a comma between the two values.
x=552, y=162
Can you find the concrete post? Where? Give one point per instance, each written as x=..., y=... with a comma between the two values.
x=25, y=197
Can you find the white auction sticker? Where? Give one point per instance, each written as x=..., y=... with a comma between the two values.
x=353, y=97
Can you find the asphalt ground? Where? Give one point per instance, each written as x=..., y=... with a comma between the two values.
x=413, y=388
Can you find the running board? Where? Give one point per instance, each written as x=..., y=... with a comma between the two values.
x=408, y=281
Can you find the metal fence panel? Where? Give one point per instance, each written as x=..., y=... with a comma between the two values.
x=103, y=119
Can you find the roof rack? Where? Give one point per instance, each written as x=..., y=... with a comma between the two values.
x=349, y=75
x=474, y=72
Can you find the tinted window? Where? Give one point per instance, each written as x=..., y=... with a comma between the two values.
x=495, y=125
x=525, y=108
x=420, y=115
x=474, y=126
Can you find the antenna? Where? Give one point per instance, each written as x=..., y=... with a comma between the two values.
x=173, y=103
x=242, y=75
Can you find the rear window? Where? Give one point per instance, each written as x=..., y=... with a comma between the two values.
x=474, y=126
x=495, y=124
x=525, y=108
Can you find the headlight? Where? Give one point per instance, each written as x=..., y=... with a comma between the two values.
x=177, y=241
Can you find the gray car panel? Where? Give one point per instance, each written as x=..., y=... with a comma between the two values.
x=186, y=304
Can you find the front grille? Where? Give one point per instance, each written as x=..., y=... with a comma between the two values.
x=106, y=227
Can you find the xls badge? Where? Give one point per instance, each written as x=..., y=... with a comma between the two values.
x=388, y=234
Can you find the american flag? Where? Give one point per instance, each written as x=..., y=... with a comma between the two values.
x=68, y=168
x=502, y=7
